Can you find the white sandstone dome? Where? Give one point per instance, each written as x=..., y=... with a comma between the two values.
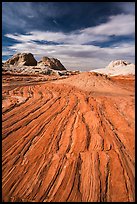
x=117, y=67
x=118, y=63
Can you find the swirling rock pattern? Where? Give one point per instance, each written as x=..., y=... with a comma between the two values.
x=68, y=140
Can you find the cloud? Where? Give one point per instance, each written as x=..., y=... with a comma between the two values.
x=117, y=25
x=127, y=7
x=75, y=49
x=25, y=16
x=70, y=16
x=58, y=37
x=84, y=57
x=13, y=14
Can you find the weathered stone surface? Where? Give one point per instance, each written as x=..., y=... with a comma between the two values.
x=20, y=59
x=68, y=140
x=116, y=68
x=51, y=63
x=25, y=63
x=117, y=63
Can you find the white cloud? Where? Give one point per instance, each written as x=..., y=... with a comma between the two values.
x=6, y=53
x=58, y=37
x=73, y=51
x=117, y=25
x=84, y=57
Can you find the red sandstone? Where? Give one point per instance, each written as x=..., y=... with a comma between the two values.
x=68, y=140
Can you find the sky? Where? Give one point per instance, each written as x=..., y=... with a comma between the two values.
x=82, y=35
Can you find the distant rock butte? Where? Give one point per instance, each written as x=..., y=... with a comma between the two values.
x=117, y=67
x=25, y=62
x=115, y=63
x=52, y=63
x=22, y=59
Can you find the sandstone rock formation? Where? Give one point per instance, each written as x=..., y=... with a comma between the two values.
x=22, y=59
x=118, y=63
x=52, y=63
x=25, y=63
x=69, y=140
x=118, y=67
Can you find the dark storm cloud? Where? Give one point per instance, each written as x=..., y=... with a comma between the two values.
x=61, y=16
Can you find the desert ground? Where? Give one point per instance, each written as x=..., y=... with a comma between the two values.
x=68, y=139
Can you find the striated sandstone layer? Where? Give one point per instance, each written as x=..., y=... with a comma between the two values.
x=68, y=140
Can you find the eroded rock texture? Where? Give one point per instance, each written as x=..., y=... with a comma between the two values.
x=68, y=140
x=21, y=59
x=52, y=63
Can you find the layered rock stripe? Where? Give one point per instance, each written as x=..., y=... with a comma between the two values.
x=68, y=140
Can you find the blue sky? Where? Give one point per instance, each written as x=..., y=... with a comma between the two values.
x=82, y=35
